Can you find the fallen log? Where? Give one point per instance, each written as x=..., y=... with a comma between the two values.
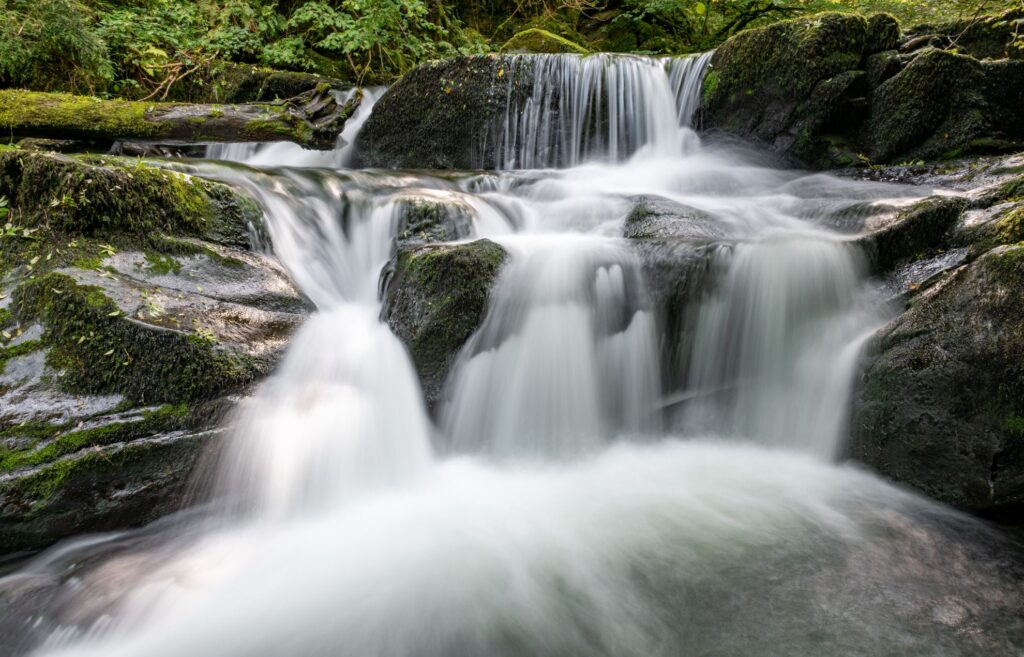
x=313, y=119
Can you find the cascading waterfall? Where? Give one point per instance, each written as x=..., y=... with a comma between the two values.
x=552, y=530
x=599, y=107
x=566, y=358
x=776, y=344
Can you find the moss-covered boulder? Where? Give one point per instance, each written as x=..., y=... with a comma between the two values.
x=790, y=84
x=943, y=105
x=436, y=298
x=837, y=90
x=123, y=202
x=942, y=403
x=438, y=116
x=983, y=37
x=131, y=314
x=536, y=40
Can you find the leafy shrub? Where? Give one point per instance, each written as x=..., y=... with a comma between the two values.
x=52, y=44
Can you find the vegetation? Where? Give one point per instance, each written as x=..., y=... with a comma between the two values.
x=146, y=49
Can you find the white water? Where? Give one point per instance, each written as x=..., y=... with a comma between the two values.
x=570, y=522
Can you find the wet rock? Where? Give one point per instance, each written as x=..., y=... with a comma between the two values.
x=663, y=219
x=912, y=233
x=132, y=318
x=103, y=485
x=942, y=401
x=785, y=85
x=439, y=114
x=436, y=297
x=427, y=219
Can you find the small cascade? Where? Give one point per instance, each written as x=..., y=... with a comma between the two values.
x=599, y=107
x=566, y=358
x=343, y=415
x=777, y=340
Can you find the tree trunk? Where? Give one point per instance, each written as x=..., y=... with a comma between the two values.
x=313, y=119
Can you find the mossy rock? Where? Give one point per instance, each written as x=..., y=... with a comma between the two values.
x=945, y=105
x=982, y=37
x=126, y=202
x=536, y=40
x=103, y=485
x=914, y=233
x=883, y=34
x=436, y=298
x=99, y=350
x=783, y=85
x=941, y=403
x=438, y=116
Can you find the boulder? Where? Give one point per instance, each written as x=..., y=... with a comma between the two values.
x=982, y=37
x=835, y=90
x=132, y=315
x=944, y=104
x=436, y=297
x=439, y=114
x=787, y=85
x=941, y=407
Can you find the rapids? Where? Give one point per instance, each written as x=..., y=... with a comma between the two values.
x=576, y=492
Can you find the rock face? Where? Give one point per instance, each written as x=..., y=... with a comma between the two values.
x=942, y=407
x=942, y=396
x=436, y=298
x=437, y=115
x=833, y=90
x=131, y=316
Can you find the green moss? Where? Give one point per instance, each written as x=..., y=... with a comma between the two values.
x=21, y=349
x=277, y=125
x=711, y=81
x=160, y=265
x=99, y=351
x=75, y=116
x=1015, y=425
x=536, y=40
x=1010, y=229
x=53, y=441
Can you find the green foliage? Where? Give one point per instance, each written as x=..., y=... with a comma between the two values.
x=54, y=44
x=146, y=48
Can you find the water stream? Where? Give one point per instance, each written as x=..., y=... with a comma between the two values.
x=564, y=500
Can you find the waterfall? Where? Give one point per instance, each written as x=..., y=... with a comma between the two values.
x=598, y=107
x=565, y=503
x=777, y=341
x=566, y=358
